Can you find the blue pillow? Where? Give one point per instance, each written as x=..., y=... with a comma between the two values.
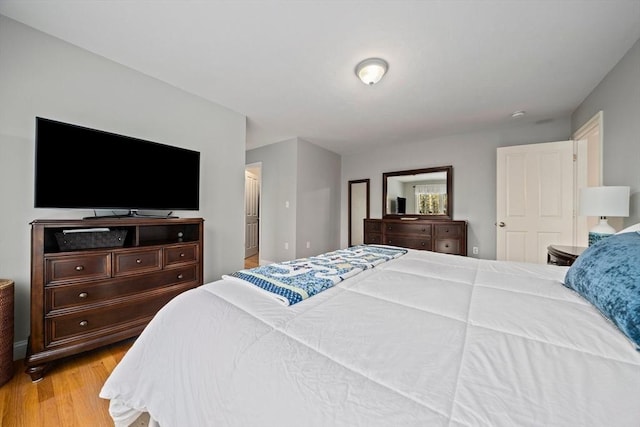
x=607, y=275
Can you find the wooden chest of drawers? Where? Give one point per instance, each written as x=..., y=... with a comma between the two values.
x=430, y=235
x=373, y=231
x=84, y=299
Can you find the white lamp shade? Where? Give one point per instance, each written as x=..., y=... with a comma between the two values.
x=604, y=201
x=370, y=71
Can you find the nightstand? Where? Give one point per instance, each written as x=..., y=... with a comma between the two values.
x=563, y=255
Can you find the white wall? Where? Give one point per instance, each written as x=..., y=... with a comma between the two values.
x=618, y=96
x=44, y=76
x=473, y=157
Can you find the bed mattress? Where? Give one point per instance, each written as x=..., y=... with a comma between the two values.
x=427, y=339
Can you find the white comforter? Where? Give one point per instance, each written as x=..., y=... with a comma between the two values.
x=424, y=340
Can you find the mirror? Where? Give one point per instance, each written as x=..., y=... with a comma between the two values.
x=418, y=193
x=358, y=210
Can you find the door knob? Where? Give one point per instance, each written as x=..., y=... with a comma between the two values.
x=501, y=224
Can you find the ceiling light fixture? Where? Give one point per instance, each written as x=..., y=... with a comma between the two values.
x=371, y=70
x=517, y=114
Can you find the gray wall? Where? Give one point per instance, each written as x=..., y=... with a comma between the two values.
x=318, y=203
x=44, y=76
x=278, y=185
x=473, y=157
x=308, y=178
x=618, y=96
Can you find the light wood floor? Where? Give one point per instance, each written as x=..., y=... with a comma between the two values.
x=252, y=261
x=68, y=394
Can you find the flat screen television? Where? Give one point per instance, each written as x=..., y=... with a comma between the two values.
x=79, y=167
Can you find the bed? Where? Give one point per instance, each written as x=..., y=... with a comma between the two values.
x=422, y=339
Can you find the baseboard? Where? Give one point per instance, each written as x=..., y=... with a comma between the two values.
x=19, y=349
x=264, y=262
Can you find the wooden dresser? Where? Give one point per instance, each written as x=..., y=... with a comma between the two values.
x=443, y=236
x=84, y=297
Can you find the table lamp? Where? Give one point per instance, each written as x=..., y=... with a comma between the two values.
x=603, y=202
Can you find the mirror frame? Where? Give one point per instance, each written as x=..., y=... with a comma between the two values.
x=350, y=225
x=449, y=207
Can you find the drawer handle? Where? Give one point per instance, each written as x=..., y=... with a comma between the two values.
x=83, y=323
x=446, y=245
x=424, y=229
x=423, y=244
x=83, y=295
x=182, y=255
x=180, y=276
x=138, y=261
x=79, y=267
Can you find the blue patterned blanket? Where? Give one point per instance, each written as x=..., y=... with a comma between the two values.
x=294, y=281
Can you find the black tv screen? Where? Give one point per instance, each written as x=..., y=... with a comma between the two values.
x=79, y=167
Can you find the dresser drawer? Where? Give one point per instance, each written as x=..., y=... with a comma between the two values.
x=452, y=231
x=372, y=226
x=447, y=246
x=423, y=243
x=372, y=238
x=136, y=262
x=180, y=254
x=84, y=294
x=77, y=267
x=407, y=228
x=102, y=321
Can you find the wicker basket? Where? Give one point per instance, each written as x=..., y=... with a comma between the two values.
x=90, y=239
x=6, y=330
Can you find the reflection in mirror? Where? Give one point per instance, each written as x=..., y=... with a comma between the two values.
x=358, y=210
x=418, y=192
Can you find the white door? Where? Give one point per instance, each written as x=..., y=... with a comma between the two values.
x=252, y=211
x=535, y=200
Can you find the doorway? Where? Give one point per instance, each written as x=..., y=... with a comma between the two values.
x=588, y=172
x=544, y=201
x=535, y=200
x=252, y=181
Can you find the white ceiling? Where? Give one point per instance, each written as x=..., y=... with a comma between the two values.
x=454, y=66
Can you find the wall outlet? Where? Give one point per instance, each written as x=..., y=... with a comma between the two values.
x=286, y=204
x=475, y=250
x=286, y=246
x=308, y=245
